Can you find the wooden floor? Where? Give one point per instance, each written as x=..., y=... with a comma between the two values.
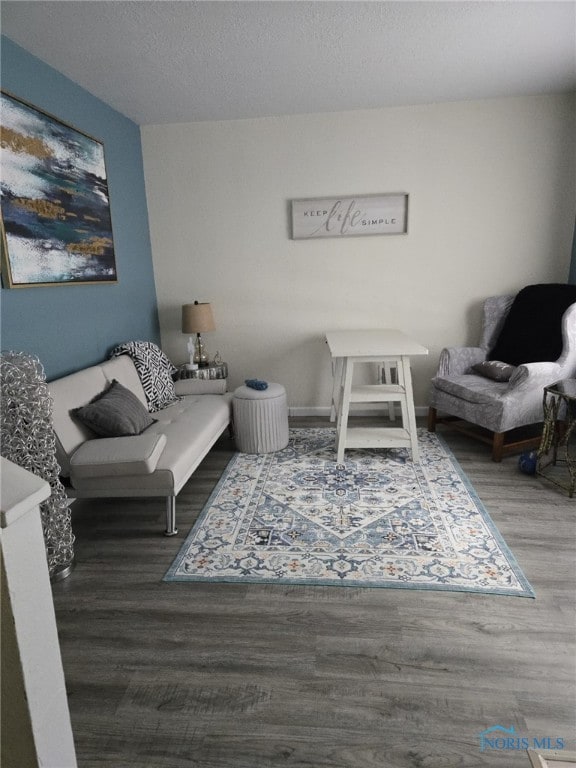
x=258, y=676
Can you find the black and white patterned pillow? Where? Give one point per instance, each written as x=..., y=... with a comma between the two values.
x=155, y=371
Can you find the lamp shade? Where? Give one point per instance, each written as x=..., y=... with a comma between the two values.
x=197, y=318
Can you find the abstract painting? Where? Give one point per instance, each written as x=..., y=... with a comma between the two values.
x=55, y=206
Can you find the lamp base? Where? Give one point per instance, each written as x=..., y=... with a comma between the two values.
x=191, y=366
x=200, y=353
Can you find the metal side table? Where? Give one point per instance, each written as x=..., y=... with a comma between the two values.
x=556, y=455
x=206, y=372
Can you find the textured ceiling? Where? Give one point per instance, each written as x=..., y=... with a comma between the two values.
x=171, y=61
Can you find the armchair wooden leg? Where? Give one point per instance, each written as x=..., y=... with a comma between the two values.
x=432, y=413
x=498, y=446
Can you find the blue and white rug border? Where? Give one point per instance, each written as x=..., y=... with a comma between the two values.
x=492, y=526
x=171, y=576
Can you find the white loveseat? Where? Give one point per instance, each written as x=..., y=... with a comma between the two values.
x=157, y=462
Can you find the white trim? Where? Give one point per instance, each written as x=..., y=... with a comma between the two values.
x=545, y=757
x=324, y=410
x=309, y=410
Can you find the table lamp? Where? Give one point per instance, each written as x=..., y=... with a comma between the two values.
x=197, y=318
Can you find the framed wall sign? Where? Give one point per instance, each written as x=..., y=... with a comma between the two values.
x=55, y=207
x=350, y=216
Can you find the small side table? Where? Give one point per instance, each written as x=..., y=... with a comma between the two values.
x=391, y=349
x=207, y=372
x=555, y=460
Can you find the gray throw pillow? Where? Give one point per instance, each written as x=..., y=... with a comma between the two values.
x=116, y=412
x=494, y=369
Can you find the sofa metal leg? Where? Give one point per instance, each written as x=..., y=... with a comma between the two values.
x=432, y=413
x=171, y=529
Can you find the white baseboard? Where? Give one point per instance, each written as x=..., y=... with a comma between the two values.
x=312, y=410
x=323, y=411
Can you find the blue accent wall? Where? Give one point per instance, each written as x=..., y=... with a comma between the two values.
x=71, y=326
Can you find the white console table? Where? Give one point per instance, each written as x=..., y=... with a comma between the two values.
x=36, y=719
x=391, y=349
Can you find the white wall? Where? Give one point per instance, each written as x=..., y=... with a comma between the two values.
x=492, y=201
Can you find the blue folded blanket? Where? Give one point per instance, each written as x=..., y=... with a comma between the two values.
x=256, y=384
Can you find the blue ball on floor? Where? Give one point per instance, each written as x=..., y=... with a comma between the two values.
x=527, y=462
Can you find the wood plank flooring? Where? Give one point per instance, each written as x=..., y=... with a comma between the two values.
x=258, y=676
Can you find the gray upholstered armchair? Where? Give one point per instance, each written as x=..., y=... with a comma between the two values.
x=461, y=396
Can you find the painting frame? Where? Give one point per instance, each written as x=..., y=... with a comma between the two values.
x=350, y=216
x=55, y=213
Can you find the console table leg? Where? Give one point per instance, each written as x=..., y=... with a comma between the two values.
x=344, y=410
x=337, y=364
x=411, y=426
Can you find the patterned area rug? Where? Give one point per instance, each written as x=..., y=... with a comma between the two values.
x=377, y=520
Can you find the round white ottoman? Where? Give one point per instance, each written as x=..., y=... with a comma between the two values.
x=260, y=419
